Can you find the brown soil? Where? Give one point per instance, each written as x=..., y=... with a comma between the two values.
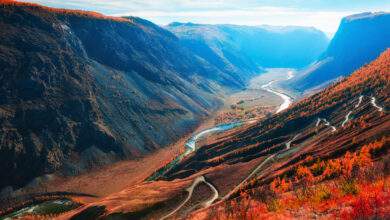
x=116, y=177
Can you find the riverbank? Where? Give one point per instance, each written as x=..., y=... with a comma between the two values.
x=260, y=99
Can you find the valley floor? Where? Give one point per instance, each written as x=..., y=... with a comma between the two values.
x=250, y=104
x=116, y=177
x=256, y=102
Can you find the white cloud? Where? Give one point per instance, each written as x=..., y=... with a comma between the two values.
x=245, y=12
x=327, y=21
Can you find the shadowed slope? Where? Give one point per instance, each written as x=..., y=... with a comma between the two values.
x=359, y=40
x=80, y=89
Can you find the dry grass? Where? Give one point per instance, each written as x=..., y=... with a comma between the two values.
x=116, y=177
x=81, y=13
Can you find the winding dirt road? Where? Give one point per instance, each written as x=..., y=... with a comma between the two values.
x=190, y=190
x=288, y=144
x=346, y=119
x=360, y=101
x=192, y=145
x=248, y=177
x=373, y=102
x=327, y=123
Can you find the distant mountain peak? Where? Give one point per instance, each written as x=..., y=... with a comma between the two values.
x=253, y=46
x=364, y=15
x=176, y=24
x=278, y=28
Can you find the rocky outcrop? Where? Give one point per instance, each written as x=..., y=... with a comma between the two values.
x=359, y=40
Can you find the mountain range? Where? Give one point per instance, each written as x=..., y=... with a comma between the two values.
x=249, y=47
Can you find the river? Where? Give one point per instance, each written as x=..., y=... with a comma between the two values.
x=56, y=206
x=190, y=146
x=287, y=100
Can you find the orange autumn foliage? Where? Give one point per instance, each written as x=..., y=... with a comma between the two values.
x=304, y=173
x=90, y=14
x=246, y=208
x=371, y=203
x=328, y=198
x=371, y=78
x=280, y=185
x=343, y=166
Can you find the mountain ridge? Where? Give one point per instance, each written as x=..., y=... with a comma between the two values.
x=252, y=46
x=359, y=39
x=80, y=90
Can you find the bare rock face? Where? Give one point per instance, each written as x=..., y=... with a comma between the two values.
x=359, y=40
x=78, y=90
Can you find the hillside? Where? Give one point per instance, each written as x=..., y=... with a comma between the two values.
x=359, y=39
x=313, y=160
x=332, y=105
x=80, y=89
x=245, y=47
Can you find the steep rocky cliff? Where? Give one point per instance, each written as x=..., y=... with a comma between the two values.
x=80, y=89
x=359, y=40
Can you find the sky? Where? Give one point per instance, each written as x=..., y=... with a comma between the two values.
x=322, y=14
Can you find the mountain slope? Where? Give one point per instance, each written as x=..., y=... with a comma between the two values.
x=79, y=89
x=359, y=40
x=333, y=104
x=244, y=47
x=270, y=149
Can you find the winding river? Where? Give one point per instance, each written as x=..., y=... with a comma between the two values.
x=191, y=143
x=44, y=208
x=190, y=146
x=287, y=100
x=61, y=205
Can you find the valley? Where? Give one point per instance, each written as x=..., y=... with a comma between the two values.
x=134, y=172
x=262, y=97
x=228, y=163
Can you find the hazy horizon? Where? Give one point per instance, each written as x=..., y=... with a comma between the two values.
x=321, y=14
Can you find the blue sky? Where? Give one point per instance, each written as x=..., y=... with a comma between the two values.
x=322, y=14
